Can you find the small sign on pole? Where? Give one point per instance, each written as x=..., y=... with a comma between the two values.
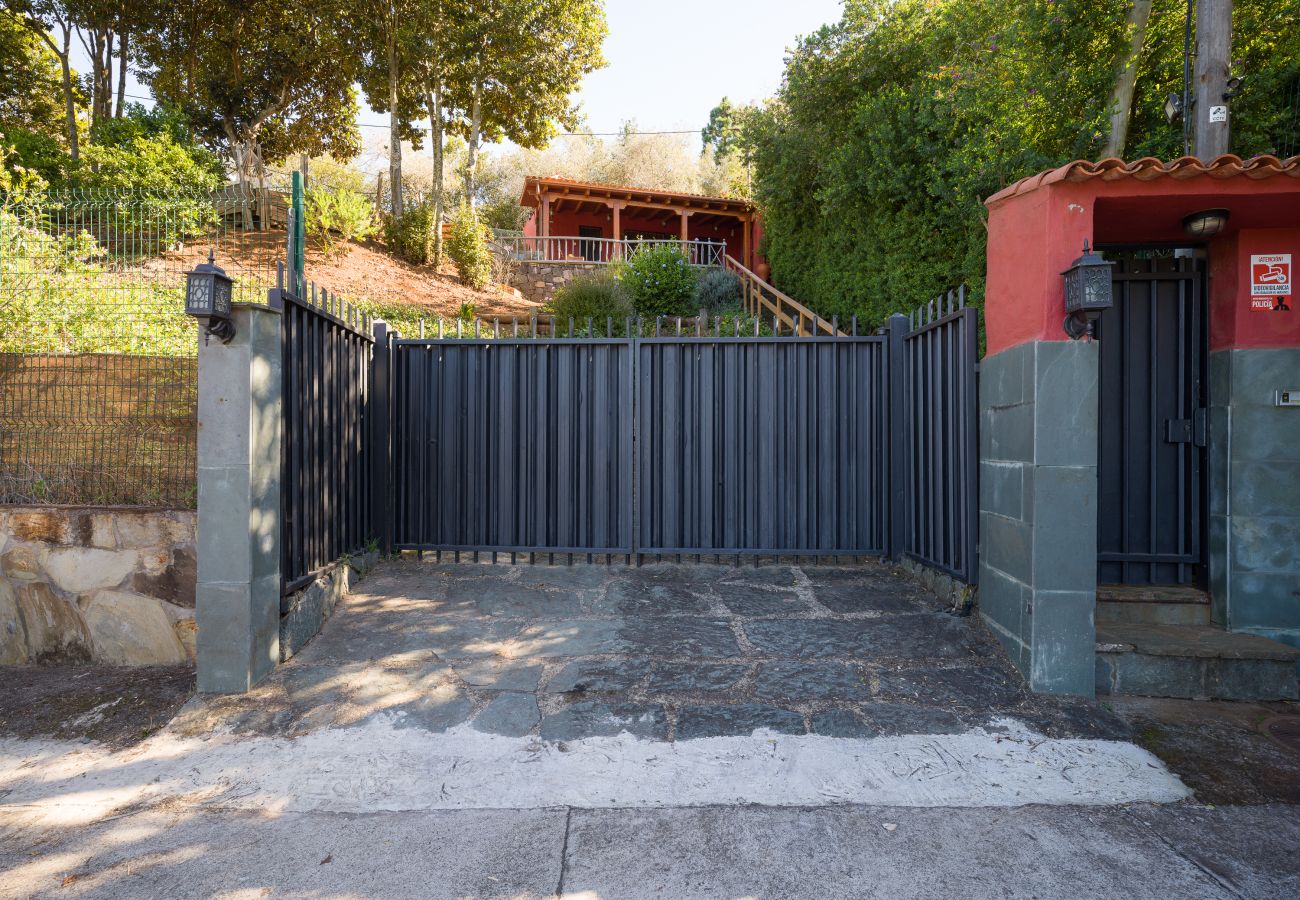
x=1270, y=282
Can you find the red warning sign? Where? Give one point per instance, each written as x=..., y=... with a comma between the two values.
x=1270, y=282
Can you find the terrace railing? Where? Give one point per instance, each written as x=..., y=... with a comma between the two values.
x=764, y=301
x=603, y=251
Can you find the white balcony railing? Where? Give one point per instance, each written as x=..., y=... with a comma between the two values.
x=603, y=251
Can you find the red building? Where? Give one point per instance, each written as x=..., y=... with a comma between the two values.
x=581, y=220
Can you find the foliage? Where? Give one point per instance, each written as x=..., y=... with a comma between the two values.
x=466, y=312
x=468, y=249
x=503, y=213
x=37, y=152
x=716, y=290
x=598, y=297
x=148, y=164
x=30, y=82
x=410, y=236
x=337, y=218
x=52, y=291
x=258, y=77
x=892, y=126
x=660, y=281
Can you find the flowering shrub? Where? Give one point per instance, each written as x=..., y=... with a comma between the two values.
x=660, y=281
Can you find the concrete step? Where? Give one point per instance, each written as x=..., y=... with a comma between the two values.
x=1193, y=661
x=1124, y=604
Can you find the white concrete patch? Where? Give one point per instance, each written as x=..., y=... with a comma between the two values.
x=380, y=767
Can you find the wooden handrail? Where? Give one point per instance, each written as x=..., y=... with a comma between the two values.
x=758, y=294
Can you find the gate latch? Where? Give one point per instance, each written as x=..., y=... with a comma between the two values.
x=1187, y=431
x=1178, y=431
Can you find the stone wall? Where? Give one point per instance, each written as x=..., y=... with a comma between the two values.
x=303, y=613
x=1038, y=510
x=1254, y=503
x=539, y=281
x=96, y=584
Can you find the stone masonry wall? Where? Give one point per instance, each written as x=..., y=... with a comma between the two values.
x=539, y=281
x=103, y=585
x=1038, y=509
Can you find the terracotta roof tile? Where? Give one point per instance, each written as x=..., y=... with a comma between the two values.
x=1149, y=168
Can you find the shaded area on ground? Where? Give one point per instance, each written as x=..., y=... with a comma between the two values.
x=665, y=652
x=1220, y=749
x=116, y=705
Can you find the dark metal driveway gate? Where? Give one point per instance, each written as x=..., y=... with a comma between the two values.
x=686, y=445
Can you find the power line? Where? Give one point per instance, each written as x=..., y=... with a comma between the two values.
x=561, y=134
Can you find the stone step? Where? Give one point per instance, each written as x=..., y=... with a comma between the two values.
x=1193, y=661
x=1124, y=604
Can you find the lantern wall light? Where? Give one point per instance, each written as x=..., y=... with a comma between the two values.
x=208, y=292
x=1088, y=292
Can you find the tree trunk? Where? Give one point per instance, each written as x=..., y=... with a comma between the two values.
x=69, y=102
x=394, y=122
x=122, y=40
x=1121, y=99
x=1213, y=52
x=475, y=136
x=436, y=137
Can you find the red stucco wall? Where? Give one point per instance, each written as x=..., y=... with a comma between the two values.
x=1034, y=236
x=1233, y=324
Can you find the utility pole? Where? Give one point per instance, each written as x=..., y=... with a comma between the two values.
x=1211, y=129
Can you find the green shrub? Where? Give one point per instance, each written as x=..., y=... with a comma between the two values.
x=717, y=290
x=599, y=297
x=468, y=249
x=660, y=281
x=338, y=217
x=411, y=236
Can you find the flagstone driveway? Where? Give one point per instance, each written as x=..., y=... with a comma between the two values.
x=665, y=652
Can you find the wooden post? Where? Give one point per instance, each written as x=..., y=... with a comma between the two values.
x=744, y=250
x=617, y=207
x=1211, y=130
x=686, y=217
x=546, y=218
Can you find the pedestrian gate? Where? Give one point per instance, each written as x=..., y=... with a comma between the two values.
x=636, y=440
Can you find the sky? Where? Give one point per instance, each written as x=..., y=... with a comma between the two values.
x=671, y=61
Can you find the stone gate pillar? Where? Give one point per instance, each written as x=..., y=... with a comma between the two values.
x=1038, y=451
x=238, y=593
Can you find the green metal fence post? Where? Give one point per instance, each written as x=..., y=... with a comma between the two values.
x=298, y=237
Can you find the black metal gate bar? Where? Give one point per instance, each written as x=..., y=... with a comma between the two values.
x=1152, y=424
x=326, y=474
x=936, y=503
x=745, y=446
x=493, y=445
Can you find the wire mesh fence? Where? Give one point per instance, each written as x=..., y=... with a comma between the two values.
x=98, y=386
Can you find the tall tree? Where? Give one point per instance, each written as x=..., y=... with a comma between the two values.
x=390, y=38
x=55, y=24
x=517, y=67
x=259, y=79
x=30, y=83
x=1121, y=98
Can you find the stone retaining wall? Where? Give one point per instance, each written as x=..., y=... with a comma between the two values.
x=539, y=281
x=303, y=613
x=96, y=584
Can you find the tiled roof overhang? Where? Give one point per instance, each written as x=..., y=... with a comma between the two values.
x=1150, y=168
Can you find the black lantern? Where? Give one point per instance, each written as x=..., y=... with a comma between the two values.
x=207, y=298
x=1087, y=292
